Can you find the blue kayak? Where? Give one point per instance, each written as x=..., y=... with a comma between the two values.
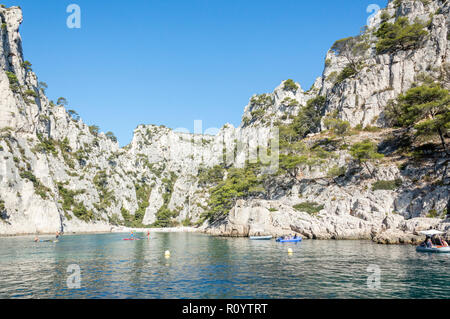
x=299, y=239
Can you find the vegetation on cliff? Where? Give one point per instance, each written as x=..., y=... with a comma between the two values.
x=400, y=35
x=240, y=183
x=425, y=108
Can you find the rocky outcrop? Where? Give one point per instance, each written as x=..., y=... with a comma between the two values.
x=258, y=218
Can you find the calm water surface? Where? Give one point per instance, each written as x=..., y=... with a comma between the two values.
x=206, y=267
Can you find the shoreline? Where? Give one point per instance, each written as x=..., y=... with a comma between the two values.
x=114, y=229
x=125, y=230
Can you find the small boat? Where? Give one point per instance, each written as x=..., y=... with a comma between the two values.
x=261, y=237
x=294, y=240
x=131, y=239
x=433, y=249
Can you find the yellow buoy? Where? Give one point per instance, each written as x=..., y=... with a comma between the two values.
x=290, y=251
x=167, y=254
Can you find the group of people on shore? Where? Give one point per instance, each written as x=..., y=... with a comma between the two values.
x=434, y=241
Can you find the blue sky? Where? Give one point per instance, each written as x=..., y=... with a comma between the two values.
x=170, y=62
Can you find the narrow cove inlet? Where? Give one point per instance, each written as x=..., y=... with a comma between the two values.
x=224, y=158
x=201, y=266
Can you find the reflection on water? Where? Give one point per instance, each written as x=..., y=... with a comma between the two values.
x=208, y=267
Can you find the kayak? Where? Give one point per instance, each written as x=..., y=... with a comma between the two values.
x=131, y=239
x=438, y=250
x=261, y=237
x=289, y=240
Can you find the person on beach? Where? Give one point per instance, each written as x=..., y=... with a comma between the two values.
x=36, y=239
x=58, y=234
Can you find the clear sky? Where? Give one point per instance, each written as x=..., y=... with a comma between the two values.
x=170, y=62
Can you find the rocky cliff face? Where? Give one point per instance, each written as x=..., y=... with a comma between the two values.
x=57, y=173
x=362, y=98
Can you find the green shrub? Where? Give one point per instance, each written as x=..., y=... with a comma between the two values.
x=74, y=115
x=387, y=185
x=47, y=146
x=164, y=215
x=290, y=102
x=142, y=195
x=336, y=125
x=365, y=151
x=187, y=222
x=30, y=93
x=62, y=101
x=311, y=208
x=372, y=129
x=426, y=108
x=239, y=184
x=127, y=217
x=400, y=35
x=261, y=100
x=385, y=16
x=336, y=171
x=80, y=211
x=13, y=82
x=289, y=163
x=289, y=85
x=259, y=113
x=114, y=220
x=246, y=120
x=210, y=176
x=39, y=188
x=111, y=136
x=346, y=73
x=42, y=86
x=27, y=65
x=68, y=196
x=433, y=213
x=94, y=129
x=307, y=121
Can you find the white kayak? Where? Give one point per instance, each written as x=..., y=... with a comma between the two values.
x=261, y=237
x=439, y=250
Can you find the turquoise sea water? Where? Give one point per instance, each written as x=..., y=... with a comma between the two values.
x=207, y=267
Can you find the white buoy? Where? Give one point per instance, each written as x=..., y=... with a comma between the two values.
x=167, y=254
x=290, y=251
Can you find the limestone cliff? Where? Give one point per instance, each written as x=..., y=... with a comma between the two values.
x=57, y=173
